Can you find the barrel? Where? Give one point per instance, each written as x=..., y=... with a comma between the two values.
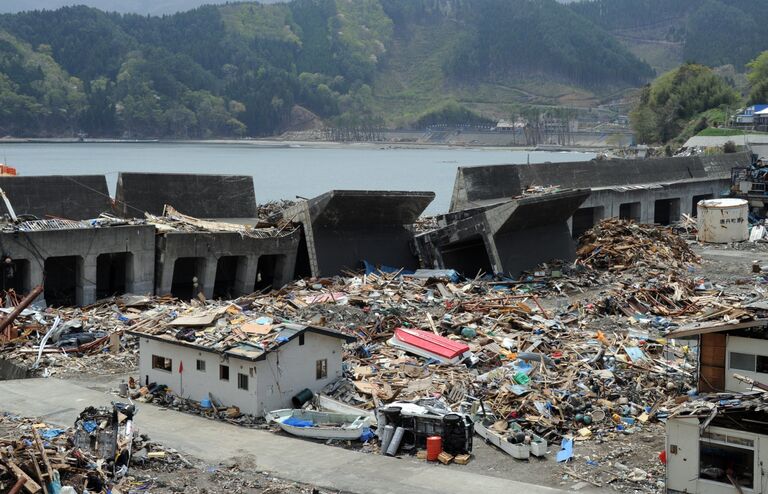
x=722, y=221
x=434, y=447
x=301, y=398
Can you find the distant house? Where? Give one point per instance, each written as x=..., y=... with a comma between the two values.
x=747, y=115
x=726, y=349
x=256, y=376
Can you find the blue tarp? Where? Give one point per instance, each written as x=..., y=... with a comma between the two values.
x=51, y=433
x=298, y=422
x=566, y=451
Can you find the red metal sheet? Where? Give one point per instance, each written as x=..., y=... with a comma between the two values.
x=431, y=342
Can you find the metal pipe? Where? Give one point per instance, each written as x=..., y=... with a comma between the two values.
x=394, y=445
x=20, y=308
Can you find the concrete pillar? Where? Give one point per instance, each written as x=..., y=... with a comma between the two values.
x=164, y=274
x=140, y=273
x=493, y=254
x=86, y=280
x=35, y=277
x=206, y=267
x=247, y=267
x=647, y=210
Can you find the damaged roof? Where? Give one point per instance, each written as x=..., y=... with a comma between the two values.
x=236, y=337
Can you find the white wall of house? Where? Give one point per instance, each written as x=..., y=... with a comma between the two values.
x=196, y=384
x=293, y=367
x=271, y=382
x=737, y=354
x=683, y=457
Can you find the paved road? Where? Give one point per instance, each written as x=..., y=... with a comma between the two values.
x=59, y=402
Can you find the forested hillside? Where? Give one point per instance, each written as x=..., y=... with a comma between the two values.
x=710, y=32
x=240, y=69
x=243, y=69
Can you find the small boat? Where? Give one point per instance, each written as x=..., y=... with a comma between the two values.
x=320, y=425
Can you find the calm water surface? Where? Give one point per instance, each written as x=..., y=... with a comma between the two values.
x=279, y=172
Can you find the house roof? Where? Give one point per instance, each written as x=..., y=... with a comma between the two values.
x=745, y=411
x=249, y=340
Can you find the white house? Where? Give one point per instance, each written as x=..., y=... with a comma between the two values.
x=717, y=443
x=255, y=374
x=728, y=348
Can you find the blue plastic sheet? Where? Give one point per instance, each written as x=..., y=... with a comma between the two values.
x=566, y=450
x=293, y=421
x=51, y=433
x=90, y=425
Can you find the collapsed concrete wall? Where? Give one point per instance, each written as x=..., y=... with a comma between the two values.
x=76, y=197
x=201, y=196
x=79, y=265
x=222, y=264
x=483, y=185
x=506, y=239
x=341, y=228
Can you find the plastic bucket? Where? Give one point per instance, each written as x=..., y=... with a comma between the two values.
x=434, y=447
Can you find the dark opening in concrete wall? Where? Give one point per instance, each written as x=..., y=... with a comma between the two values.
x=112, y=274
x=467, y=257
x=666, y=211
x=584, y=219
x=16, y=276
x=303, y=268
x=695, y=202
x=265, y=272
x=61, y=277
x=187, y=277
x=226, y=277
x=630, y=211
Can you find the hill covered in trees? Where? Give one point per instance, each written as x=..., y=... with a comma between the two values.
x=666, y=33
x=239, y=69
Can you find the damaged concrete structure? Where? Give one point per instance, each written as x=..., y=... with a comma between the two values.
x=503, y=239
x=648, y=191
x=216, y=263
x=77, y=261
x=342, y=228
x=77, y=197
x=202, y=196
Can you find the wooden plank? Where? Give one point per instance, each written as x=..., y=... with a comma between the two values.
x=30, y=486
x=43, y=454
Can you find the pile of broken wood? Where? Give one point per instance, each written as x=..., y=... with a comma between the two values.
x=618, y=245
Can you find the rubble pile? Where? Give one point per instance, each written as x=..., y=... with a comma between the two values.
x=539, y=366
x=38, y=457
x=173, y=220
x=617, y=245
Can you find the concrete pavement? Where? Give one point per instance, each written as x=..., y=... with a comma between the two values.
x=59, y=402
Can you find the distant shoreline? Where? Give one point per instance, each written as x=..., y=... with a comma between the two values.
x=278, y=143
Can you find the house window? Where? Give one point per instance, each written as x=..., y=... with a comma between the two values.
x=301, y=339
x=201, y=365
x=321, y=369
x=742, y=361
x=242, y=382
x=719, y=461
x=162, y=363
x=224, y=372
